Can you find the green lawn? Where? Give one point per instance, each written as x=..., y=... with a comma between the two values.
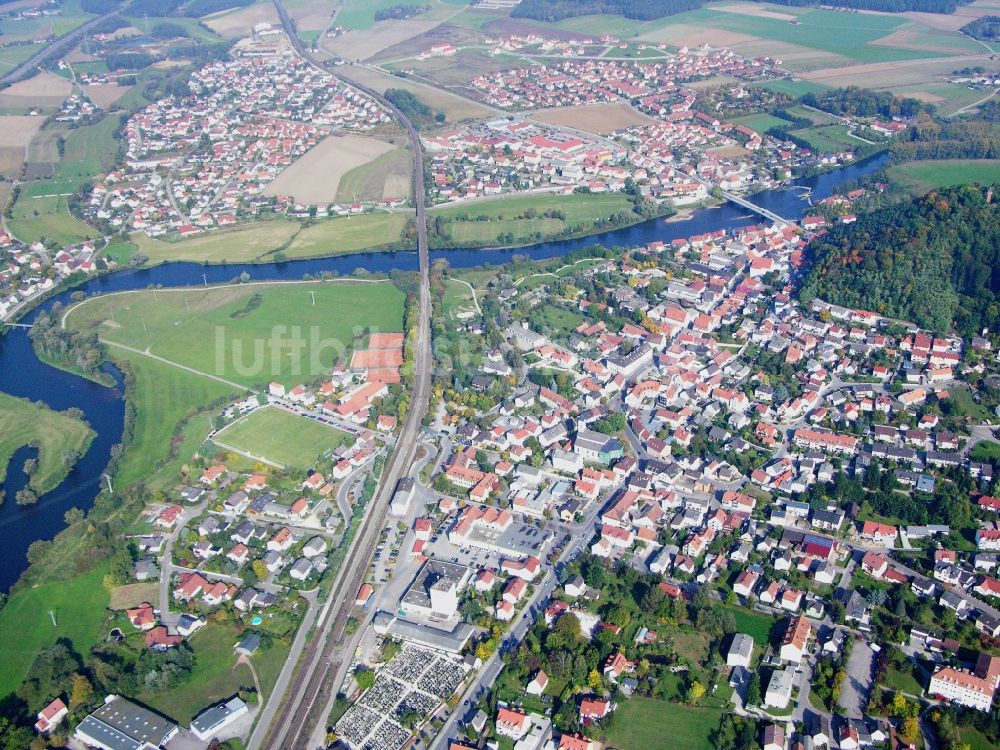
x=286, y=438
x=649, y=724
x=829, y=138
x=22, y=422
x=249, y=334
x=975, y=739
x=754, y=624
x=216, y=674
x=761, y=122
x=485, y=222
x=921, y=176
x=79, y=606
x=903, y=680
x=966, y=406
x=561, y=319
x=986, y=451
x=261, y=240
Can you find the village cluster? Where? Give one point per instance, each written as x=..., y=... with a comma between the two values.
x=676, y=160
x=734, y=405
x=202, y=162
x=28, y=271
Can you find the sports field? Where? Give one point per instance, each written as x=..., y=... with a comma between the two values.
x=281, y=437
x=42, y=212
x=650, y=724
x=486, y=222
x=247, y=334
x=921, y=176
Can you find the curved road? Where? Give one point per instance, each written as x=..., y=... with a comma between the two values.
x=287, y=721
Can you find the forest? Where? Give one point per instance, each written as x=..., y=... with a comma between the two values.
x=934, y=261
x=415, y=110
x=647, y=10
x=984, y=28
x=643, y=10
x=859, y=102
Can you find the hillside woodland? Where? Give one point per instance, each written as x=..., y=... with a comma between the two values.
x=934, y=261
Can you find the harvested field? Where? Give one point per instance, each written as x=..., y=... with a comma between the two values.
x=388, y=176
x=42, y=90
x=236, y=24
x=691, y=35
x=440, y=33
x=747, y=9
x=362, y=44
x=11, y=158
x=457, y=70
x=106, y=95
x=594, y=118
x=891, y=74
x=132, y=595
x=455, y=108
x=315, y=176
x=918, y=41
x=18, y=130
x=311, y=15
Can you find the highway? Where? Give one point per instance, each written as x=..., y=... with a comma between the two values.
x=288, y=721
x=49, y=50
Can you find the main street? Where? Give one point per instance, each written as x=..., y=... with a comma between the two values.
x=287, y=721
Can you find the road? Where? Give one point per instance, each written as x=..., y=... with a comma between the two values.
x=49, y=50
x=287, y=721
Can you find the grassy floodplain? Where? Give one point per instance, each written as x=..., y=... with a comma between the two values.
x=260, y=241
x=22, y=422
x=183, y=327
x=79, y=605
x=484, y=222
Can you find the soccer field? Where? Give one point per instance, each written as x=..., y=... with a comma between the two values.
x=282, y=437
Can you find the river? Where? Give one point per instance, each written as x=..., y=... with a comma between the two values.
x=23, y=374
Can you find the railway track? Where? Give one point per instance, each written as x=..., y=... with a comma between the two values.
x=324, y=662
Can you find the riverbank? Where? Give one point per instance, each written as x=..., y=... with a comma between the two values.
x=22, y=373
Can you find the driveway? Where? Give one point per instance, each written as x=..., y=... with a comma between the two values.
x=858, y=685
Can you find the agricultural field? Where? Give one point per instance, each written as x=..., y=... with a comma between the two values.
x=79, y=605
x=455, y=108
x=16, y=131
x=829, y=138
x=41, y=91
x=281, y=437
x=921, y=176
x=387, y=176
x=42, y=213
x=241, y=333
x=481, y=223
x=594, y=118
x=315, y=176
x=22, y=422
x=639, y=725
x=234, y=24
x=258, y=241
